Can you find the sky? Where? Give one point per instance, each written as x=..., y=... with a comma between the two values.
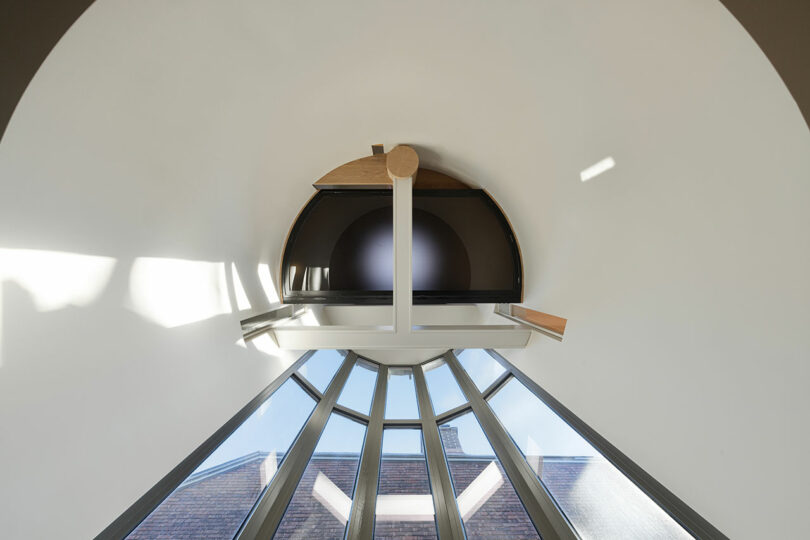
x=442, y=387
x=400, y=402
x=359, y=389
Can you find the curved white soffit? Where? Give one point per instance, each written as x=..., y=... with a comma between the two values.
x=203, y=123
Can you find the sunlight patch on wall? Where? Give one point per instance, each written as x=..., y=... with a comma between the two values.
x=56, y=279
x=266, y=279
x=242, y=302
x=265, y=344
x=309, y=319
x=174, y=292
x=597, y=168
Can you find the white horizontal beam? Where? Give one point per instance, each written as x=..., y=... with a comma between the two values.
x=384, y=337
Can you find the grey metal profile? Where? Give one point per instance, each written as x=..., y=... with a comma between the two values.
x=448, y=519
x=689, y=519
x=361, y=519
x=543, y=511
x=351, y=413
x=496, y=384
x=307, y=386
x=140, y=509
x=403, y=423
x=269, y=511
x=259, y=324
x=452, y=413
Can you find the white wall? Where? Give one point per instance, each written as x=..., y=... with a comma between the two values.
x=192, y=130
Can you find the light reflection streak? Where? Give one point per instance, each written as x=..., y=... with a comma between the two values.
x=332, y=498
x=405, y=507
x=242, y=302
x=597, y=168
x=268, y=468
x=266, y=279
x=265, y=344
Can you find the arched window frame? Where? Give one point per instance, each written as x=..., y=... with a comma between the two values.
x=541, y=508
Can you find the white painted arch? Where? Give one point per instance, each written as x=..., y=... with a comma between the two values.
x=192, y=130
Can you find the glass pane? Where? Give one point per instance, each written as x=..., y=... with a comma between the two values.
x=322, y=503
x=359, y=389
x=599, y=500
x=321, y=368
x=400, y=401
x=442, y=387
x=481, y=367
x=463, y=244
x=340, y=248
x=486, y=500
x=215, y=499
x=404, y=502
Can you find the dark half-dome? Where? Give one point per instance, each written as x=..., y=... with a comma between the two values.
x=340, y=249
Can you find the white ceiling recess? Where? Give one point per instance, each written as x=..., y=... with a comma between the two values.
x=192, y=130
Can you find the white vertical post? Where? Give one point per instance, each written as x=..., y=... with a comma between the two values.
x=403, y=278
x=402, y=163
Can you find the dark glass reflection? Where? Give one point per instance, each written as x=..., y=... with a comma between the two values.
x=341, y=249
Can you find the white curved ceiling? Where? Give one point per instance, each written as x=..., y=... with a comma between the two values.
x=192, y=131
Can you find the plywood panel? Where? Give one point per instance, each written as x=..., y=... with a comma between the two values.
x=543, y=320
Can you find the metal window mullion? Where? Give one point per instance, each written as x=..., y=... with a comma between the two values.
x=361, y=520
x=542, y=509
x=448, y=518
x=269, y=511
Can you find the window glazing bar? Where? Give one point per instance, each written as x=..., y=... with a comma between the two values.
x=307, y=386
x=547, y=518
x=351, y=413
x=496, y=385
x=448, y=519
x=452, y=413
x=403, y=423
x=269, y=511
x=361, y=520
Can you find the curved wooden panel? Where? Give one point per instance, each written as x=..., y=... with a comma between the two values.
x=370, y=172
x=366, y=172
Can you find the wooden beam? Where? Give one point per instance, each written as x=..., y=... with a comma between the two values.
x=543, y=320
x=367, y=172
x=371, y=172
x=402, y=162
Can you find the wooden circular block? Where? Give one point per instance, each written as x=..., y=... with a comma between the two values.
x=402, y=162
